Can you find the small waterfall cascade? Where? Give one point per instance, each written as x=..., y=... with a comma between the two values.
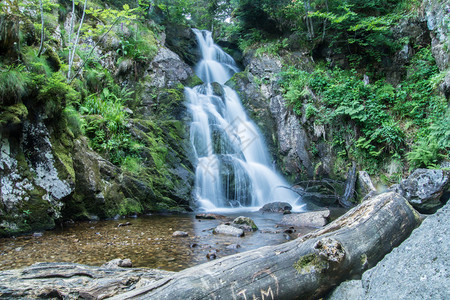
x=233, y=166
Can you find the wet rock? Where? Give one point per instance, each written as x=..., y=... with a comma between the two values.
x=181, y=40
x=436, y=15
x=364, y=185
x=424, y=189
x=245, y=223
x=308, y=219
x=228, y=230
x=233, y=247
x=209, y=217
x=116, y=263
x=279, y=207
x=180, y=234
x=38, y=234
x=211, y=255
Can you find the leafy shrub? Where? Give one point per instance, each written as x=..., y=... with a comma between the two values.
x=54, y=93
x=424, y=154
x=107, y=126
x=385, y=119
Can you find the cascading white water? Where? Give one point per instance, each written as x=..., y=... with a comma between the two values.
x=233, y=166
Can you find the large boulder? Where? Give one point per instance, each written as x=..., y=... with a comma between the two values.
x=277, y=207
x=417, y=269
x=308, y=219
x=424, y=189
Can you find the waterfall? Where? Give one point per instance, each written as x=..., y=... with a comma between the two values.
x=233, y=166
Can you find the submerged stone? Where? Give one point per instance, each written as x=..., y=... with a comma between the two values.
x=228, y=230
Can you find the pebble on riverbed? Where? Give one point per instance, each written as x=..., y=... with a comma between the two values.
x=116, y=263
x=180, y=234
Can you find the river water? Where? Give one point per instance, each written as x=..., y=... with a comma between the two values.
x=234, y=176
x=148, y=241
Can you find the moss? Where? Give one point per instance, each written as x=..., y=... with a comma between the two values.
x=237, y=77
x=364, y=261
x=170, y=103
x=13, y=115
x=310, y=263
x=62, y=142
x=130, y=206
x=53, y=58
x=193, y=81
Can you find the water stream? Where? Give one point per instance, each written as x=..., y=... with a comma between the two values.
x=233, y=166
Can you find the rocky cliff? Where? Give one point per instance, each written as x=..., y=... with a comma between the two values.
x=51, y=172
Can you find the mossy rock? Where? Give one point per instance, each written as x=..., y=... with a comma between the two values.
x=244, y=222
x=193, y=81
x=130, y=206
x=13, y=115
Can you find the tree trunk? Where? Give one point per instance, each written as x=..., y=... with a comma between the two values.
x=306, y=268
x=41, y=46
x=74, y=47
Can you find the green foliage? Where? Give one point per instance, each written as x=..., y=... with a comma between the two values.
x=14, y=83
x=130, y=206
x=139, y=46
x=132, y=164
x=75, y=123
x=107, y=128
x=36, y=64
x=416, y=98
x=424, y=154
x=386, y=119
x=56, y=89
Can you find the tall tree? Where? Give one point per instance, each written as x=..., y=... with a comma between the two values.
x=73, y=46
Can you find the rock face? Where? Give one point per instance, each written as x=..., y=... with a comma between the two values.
x=36, y=174
x=289, y=137
x=277, y=207
x=228, y=230
x=73, y=281
x=48, y=173
x=417, y=269
x=424, y=189
x=437, y=15
x=308, y=219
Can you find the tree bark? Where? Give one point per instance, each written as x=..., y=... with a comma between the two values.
x=41, y=46
x=74, y=47
x=306, y=268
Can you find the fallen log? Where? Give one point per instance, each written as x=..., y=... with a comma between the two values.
x=306, y=268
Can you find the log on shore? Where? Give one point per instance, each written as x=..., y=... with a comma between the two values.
x=306, y=268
